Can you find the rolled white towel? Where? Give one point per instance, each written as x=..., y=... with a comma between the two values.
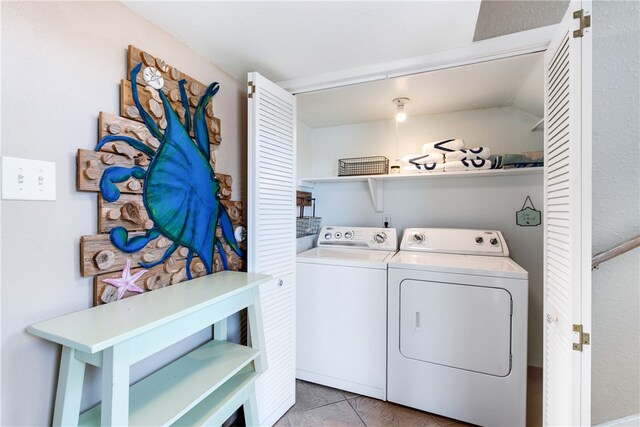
x=405, y=159
x=444, y=146
x=465, y=165
x=468, y=153
x=433, y=167
x=423, y=159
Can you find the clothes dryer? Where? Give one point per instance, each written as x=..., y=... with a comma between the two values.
x=457, y=325
x=341, y=296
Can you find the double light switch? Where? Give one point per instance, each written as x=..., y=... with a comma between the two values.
x=25, y=179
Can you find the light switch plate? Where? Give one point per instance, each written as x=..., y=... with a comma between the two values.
x=25, y=179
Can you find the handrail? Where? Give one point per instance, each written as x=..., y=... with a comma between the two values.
x=623, y=247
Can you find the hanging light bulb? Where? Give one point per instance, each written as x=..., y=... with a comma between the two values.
x=401, y=116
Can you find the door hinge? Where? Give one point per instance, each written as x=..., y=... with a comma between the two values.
x=251, y=89
x=583, y=338
x=585, y=22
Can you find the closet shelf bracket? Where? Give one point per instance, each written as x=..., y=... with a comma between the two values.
x=538, y=124
x=377, y=193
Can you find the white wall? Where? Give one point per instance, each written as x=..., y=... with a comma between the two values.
x=484, y=203
x=0, y=245
x=61, y=65
x=303, y=150
x=616, y=210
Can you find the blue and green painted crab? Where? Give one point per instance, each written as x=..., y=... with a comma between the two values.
x=181, y=193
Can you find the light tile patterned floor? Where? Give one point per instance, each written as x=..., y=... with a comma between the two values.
x=317, y=405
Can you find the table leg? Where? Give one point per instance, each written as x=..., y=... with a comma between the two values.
x=250, y=407
x=220, y=330
x=69, y=392
x=115, y=386
x=256, y=332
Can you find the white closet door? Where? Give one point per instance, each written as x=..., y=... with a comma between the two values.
x=272, y=237
x=567, y=225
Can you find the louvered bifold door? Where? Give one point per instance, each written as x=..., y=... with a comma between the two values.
x=271, y=236
x=567, y=223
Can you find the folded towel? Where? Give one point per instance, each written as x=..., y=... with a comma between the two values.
x=520, y=160
x=433, y=167
x=496, y=161
x=465, y=165
x=423, y=159
x=523, y=165
x=468, y=153
x=405, y=159
x=444, y=146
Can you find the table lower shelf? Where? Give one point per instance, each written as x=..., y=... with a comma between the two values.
x=170, y=393
x=219, y=405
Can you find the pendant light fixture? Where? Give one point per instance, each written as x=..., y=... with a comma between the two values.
x=401, y=116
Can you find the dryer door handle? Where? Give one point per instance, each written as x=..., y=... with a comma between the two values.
x=417, y=317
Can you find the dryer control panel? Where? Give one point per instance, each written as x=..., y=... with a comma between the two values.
x=454, y=241
x=359, y=237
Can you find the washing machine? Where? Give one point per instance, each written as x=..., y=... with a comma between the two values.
x=341, y=296
x=457, y=325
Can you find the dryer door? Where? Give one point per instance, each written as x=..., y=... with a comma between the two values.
x=461, y=326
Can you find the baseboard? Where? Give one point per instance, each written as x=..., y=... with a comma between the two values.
x=630, y=421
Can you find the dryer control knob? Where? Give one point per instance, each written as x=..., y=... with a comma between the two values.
x=494, y=241
x=348, y=235
x=338, y=234
x=327, y=236
x=479, y=240
x=380, y=237
x=418, y=238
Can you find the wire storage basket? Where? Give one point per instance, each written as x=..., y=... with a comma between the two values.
x=374, y=165
x=307, y=226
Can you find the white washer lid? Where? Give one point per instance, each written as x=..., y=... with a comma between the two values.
x=491, y=266
x=370, y=258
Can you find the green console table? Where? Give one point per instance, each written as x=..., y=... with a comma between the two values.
x=203, y=387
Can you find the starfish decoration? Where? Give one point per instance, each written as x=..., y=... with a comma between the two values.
x=127, y=282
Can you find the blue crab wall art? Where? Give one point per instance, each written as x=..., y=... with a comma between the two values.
x=180, y=191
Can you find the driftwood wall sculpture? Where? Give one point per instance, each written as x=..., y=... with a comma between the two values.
x=164, y=213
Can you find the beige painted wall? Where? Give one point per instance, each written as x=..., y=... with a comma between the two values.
x=61, y=65
x=616, y=210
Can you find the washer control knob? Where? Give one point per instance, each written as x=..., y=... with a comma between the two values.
x=418, y=238
x=380, y=237
x=327, y=236
x=479, y=240
x=338, y=234
x=348, y=235
x=493, y=241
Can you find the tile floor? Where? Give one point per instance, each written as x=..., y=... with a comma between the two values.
x=317, y=405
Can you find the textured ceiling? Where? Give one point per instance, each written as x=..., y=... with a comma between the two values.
x=287, y=40
x=301, y=39
x=497, y=18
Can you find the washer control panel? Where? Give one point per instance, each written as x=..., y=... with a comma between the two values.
x=454, y=241
x=359, y=237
